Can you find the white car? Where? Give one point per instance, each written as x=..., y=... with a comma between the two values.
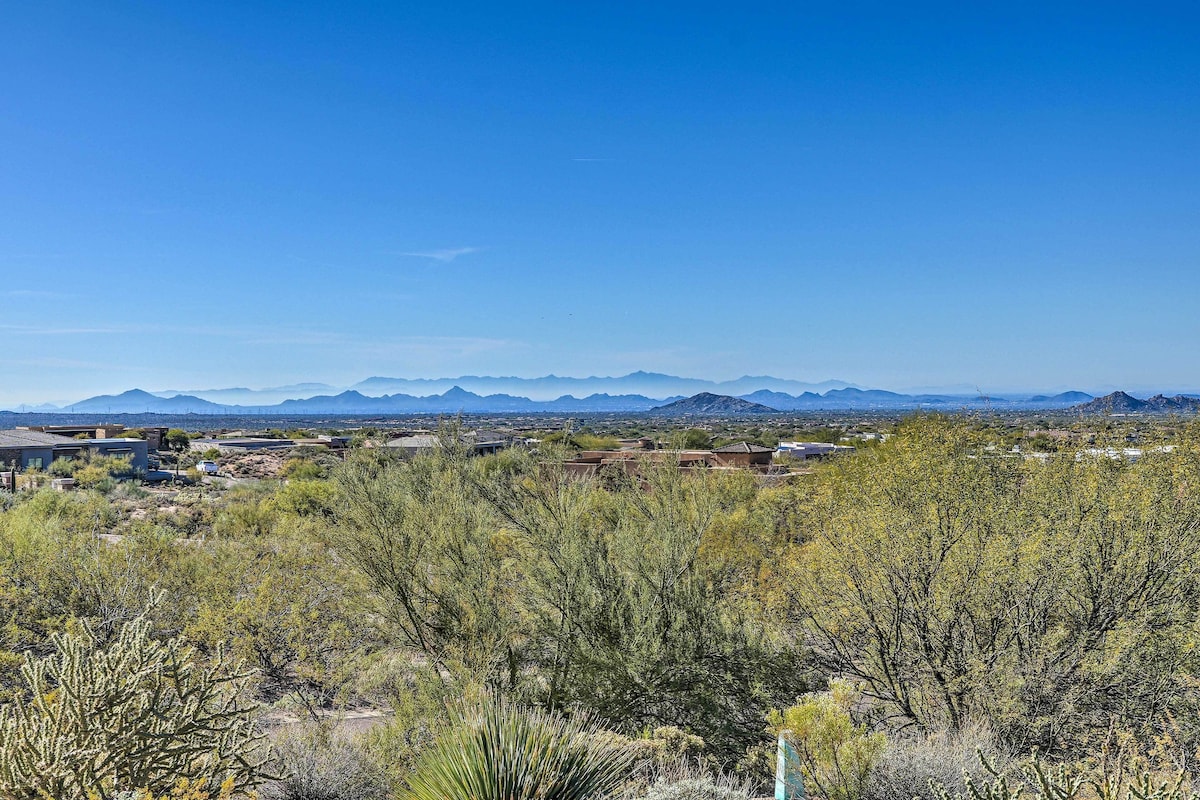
x=208, y=467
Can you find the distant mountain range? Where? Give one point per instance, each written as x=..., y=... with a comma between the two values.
x=454, y=400
x=664, y=394
x=544, y=389
x=1063, y=397
x=763, y=395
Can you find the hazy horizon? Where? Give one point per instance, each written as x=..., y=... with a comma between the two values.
x=1000, y=197
x=427, y=387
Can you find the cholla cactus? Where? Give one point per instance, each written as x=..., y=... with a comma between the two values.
x=140, y=715
x=1061, y=783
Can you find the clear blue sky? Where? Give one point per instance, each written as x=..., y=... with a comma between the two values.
x=196, y=195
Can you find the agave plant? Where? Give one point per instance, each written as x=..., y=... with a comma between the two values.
x=496, y=751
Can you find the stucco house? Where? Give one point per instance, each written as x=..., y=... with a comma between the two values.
x=36, y=450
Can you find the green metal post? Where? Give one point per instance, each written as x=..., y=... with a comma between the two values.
x=789, y=784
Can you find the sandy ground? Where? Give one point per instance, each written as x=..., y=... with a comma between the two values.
x=351, y=721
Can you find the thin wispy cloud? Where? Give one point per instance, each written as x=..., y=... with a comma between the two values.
x=75, y=364
x=51, y=330
x=116, y=330
x=445, y=256
x=32, y=293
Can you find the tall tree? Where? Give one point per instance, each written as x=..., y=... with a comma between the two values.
x=957, y=581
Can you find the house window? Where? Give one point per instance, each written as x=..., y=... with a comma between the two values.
x=34, y=463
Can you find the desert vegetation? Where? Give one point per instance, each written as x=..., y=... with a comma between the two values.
x=939, y=605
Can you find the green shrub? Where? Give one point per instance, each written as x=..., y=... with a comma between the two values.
x=836, y=754
x=300, y=469
x=496, y=751
x=62, y=467
x=692, y=439
x=586, y=441
x=245, y=520
x=307, y=498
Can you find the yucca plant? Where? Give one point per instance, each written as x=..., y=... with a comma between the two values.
x=497, y=751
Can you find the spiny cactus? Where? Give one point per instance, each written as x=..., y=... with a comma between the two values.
x=140, y=714
x=1061, y=783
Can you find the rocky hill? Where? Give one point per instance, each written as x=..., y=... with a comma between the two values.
x=1122, y=403
x=712, y=405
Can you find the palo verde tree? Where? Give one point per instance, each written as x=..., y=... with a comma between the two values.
x=178, y=440
x=1050, y=598
x=620, y=598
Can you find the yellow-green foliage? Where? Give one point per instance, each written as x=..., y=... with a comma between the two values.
x=90, y=470
x=961, y=582
x=306, y=498
x=1053, y=600
x=585, y=441
x=836, y=754
x=249, y=518
x=272, y=591
x=288, y=609
x=638, y=602
x=301, y=469
x=692, y=439
x=48, y=550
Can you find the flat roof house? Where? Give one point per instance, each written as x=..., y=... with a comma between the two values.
x=242, y=444
x=36, y=450
x=154, y=436
x=31, y=449
x=806, y=450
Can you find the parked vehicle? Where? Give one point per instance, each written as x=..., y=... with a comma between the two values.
x=208, y=468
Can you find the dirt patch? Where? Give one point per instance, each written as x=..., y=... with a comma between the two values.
x=260, y=465
x=350, y=721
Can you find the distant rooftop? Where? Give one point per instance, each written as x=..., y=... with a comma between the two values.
x=414, y=442
x=243, y=443
x=21, y=438
x=744, y=447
